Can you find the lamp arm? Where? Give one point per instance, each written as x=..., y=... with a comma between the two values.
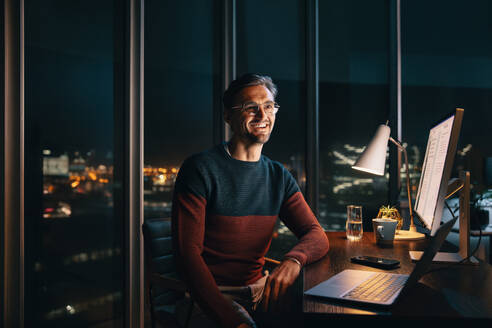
x=404, y=150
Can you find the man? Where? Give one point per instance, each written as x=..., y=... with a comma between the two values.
x=225, y=206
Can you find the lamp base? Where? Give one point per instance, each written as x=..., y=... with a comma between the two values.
x=408, y=235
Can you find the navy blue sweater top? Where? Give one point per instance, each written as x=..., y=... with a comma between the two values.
x=224, y=214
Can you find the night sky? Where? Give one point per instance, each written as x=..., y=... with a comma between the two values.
x=69, y=74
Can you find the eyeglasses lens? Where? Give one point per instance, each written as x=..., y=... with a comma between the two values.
x=268, y=107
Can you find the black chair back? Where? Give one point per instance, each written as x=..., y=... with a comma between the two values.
x=159, y=261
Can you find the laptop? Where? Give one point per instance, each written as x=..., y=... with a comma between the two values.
x=380, y=288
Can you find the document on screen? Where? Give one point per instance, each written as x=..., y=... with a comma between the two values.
x=432, y=170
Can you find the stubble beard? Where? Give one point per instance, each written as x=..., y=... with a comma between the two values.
x=243, y=133
x=257, y=138
x=263, y=139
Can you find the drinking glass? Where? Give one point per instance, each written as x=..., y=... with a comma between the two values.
x=353, y=226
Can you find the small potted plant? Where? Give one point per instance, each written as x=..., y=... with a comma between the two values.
x=391, y=212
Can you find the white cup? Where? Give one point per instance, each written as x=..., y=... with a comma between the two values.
x=384, y=231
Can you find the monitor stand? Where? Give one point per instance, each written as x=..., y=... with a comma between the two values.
x=461, y=184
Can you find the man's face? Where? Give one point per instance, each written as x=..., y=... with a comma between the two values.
x=251, y=128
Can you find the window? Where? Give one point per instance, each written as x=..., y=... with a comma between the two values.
x=447, y=65
x=73, y=241
x=354, y=100
x=180, y=93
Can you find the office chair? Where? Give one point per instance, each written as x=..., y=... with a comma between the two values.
x=164, y=288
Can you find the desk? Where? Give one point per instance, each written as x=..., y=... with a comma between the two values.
x=461, y=291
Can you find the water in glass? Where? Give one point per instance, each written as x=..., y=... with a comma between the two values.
x=353, y=226
x=354, y=230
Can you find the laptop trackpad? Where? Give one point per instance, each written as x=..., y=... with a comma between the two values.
x=339, y=283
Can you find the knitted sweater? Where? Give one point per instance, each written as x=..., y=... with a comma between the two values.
x=224, y=214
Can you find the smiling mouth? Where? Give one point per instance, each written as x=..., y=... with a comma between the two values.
x=258, y=125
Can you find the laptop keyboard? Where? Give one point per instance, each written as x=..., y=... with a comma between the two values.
x=379, y=288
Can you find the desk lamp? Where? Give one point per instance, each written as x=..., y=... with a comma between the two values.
x=373, y=161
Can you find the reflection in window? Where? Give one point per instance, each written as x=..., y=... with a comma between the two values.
x=354, y=100
x=180, y=95
x=446, y=65
x=73, y=241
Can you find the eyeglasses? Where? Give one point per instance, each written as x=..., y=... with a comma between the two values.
x=252, y=109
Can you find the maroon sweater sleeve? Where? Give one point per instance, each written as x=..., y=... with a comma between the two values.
x=298, y=217
x=188, y=231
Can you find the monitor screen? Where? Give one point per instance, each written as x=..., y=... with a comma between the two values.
x=436, y=170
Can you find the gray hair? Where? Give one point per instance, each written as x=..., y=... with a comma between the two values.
x=244, y=81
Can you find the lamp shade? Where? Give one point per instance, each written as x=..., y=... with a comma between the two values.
x=373, y=158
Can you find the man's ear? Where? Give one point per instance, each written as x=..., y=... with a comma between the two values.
x=227, y=116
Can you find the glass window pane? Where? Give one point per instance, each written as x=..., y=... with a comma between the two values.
x=73, y=240
x=448, y=65
x=271, y=41
x=354, y=100
x=180, y=95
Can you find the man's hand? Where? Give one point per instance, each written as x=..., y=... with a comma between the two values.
x=277, y=284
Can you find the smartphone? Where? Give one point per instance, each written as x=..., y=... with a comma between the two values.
x=377, y=262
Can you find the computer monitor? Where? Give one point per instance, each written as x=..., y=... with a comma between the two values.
x=436, y=169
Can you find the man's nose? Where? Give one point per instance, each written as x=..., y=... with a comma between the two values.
x=260, y=113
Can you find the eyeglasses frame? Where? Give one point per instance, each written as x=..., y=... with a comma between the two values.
x=276, y=106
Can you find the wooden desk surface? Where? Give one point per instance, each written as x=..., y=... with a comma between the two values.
x=459, y=291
